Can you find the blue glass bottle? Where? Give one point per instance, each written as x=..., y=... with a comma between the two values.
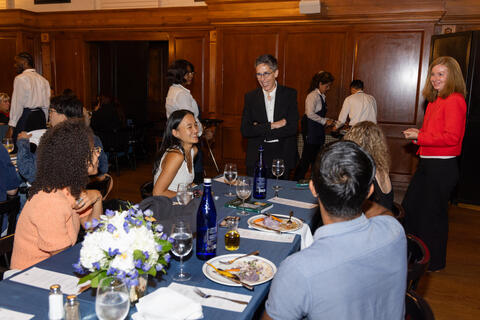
x=206, y=224
x=260, y=178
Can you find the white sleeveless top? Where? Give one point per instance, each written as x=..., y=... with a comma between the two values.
x=182, y=176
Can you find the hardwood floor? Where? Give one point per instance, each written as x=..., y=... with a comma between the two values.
x=453, y=293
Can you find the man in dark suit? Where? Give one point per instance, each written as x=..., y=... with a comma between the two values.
x=270, y=118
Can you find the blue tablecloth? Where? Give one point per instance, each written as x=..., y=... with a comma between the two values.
x=33, y=300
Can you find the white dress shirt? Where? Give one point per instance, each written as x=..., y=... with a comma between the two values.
x=179, y=98
x=313, y=104
x=30, y=90
x=270, y=106
x=358, y=107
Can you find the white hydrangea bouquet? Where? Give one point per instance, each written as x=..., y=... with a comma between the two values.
x=123, y=244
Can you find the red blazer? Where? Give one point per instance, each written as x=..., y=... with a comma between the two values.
x=443, y=127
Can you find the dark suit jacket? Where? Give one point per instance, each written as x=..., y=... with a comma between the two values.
x=256, y=128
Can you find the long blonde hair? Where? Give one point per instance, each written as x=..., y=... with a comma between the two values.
x=455, y=81
x=370, y=137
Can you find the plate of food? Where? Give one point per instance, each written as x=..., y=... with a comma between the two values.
x=275, y=223
x=252, y=270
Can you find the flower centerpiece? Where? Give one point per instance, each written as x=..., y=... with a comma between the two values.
x=128, y=245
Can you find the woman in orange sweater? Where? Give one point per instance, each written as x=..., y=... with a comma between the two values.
x=51, y=218
x=440, y=142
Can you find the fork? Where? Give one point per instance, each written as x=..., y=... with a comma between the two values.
x=254, y=253
x=206, y=296
x=290, y=219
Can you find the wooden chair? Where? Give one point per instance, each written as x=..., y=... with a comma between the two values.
x=104, y=186
x=418, y=257
x=416, y=308
x=11, y=208
x=6, y=248
x=146, y=189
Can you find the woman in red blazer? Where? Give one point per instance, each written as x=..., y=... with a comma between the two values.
x=440, y=142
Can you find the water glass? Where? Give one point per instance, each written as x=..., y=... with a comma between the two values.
x=244, y=190
x=184, y=193
x=230, y=175
x=182, y=245
x=278, y=169
x=112, y=302
x=8, y=144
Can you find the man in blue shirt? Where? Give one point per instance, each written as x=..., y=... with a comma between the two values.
x=8, y=180
x=356, y=267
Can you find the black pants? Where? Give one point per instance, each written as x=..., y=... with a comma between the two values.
x=31, y=119
x=309, y=155
x=271, y=151
x=426, y=206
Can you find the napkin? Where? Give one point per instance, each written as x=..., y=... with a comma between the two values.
x=304, y=232
x=213, y=302
x=293, y=203
x=165, y=303
x=266, y=236
x=14, y=315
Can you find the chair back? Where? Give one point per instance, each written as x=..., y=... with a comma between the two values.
x=418, y=257
x=11, y=208
x=104, y=186
x=416, y=308
x=146, y=189
x=6, y=248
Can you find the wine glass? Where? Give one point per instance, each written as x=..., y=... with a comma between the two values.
x=184, y=193
x=278, y=169
x=8, y=144
x=230, y=175
x=244, y=189
x=112, y=300
x=182, y=245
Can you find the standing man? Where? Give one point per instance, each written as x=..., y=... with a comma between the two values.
x=30, y=98
x=270, y=117
x=359, y=106
x=356, y=268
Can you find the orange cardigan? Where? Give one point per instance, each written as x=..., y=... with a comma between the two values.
x=46, y=224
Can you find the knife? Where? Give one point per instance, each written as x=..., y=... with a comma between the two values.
x=268, y=228
x=232, y=277
x=273, y=216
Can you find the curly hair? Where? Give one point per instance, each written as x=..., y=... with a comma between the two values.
x=370, y=137
x=63, y=156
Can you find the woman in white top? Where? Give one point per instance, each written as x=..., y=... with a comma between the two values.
x=174, y=162
x=180, y=73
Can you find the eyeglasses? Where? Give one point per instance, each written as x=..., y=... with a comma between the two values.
x=191, y=72
x=263, y=75
x=51, y=110
x=97, y=150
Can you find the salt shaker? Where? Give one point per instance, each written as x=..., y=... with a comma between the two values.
x=72, y=308
x=55, y=303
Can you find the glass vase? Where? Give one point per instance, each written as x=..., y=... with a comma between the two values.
x=138, y=291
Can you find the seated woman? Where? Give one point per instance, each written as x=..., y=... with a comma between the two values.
x=371, y=138
x=174, y=162
x=49, y=223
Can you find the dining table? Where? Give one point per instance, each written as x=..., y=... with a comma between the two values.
x=33, y=300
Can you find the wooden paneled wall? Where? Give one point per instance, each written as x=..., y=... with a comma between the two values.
x=391, y=60
x=383, y=43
